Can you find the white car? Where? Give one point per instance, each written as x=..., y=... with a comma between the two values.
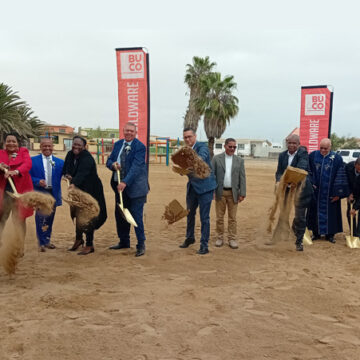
x=349, y=154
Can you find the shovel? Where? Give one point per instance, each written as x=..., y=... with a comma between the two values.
x=15, y=195
x=307, y=238
x=125, y=212
x=352, y=242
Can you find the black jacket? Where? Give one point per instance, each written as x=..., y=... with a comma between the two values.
x=354, y=183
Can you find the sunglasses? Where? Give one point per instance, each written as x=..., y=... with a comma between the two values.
x=232, y=147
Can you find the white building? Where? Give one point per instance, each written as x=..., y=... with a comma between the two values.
x=246, y=147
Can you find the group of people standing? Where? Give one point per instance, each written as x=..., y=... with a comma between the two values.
x=318, y=201
x=317, y=206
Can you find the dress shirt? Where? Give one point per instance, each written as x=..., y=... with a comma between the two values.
x=46, y=161
x=228, y=166
x=121, y=150
x=291, y=157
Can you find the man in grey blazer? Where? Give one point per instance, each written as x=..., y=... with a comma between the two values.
x=229, y=172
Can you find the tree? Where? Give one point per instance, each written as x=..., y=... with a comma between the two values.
x=16, y=115
x=195, y=72
x=218, y=105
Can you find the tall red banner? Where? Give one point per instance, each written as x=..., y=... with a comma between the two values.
x=133, y=90
x=315, y=115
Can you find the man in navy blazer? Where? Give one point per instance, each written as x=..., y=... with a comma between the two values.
x=199, y=193
x=46, y=175
x=296, y=156
x=128, y=156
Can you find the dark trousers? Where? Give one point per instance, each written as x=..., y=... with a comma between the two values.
x=299, y=223
x=136, y=208
x=193, y=200
x=356, y=222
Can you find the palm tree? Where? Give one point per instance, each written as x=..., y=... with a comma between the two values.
x=195, y=72
x=218, y=105
x=15, y=115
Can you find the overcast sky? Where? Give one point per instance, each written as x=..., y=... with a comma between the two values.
x=60, y=58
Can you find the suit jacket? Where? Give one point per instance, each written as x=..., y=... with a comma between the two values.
x=300, y=161
x=354, y=183
x=22, y=182
x=136, y=178
x=37, y=173
x=238, y=179
x=202, y=186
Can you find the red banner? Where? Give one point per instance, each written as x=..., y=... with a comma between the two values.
x=133, y=90
x=315, y=115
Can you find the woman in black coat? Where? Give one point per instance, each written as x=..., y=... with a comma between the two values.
x=80, y=169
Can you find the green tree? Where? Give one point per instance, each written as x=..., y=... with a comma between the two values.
x=195, y=72
x=15, y=115
x=217, y=104
x=336, y=141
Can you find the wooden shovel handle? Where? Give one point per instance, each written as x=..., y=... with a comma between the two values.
x=120, y=192
x=11, y=182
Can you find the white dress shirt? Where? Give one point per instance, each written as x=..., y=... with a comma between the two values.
x=46, y=161
x=228, y=166
x=291, y=157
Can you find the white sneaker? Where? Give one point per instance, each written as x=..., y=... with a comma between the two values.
x=233, y=244
x=219, y=243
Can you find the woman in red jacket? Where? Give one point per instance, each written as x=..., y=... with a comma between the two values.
x=17, y=162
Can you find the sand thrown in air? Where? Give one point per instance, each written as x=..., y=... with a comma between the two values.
x=86, y=207
x=12, y=247
x=285, y=198
x=174, y=212
x=187, y=158
x=42, y=202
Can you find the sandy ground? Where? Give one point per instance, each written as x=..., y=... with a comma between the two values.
x=257, y=302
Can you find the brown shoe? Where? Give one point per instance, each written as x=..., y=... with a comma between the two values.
x=42, y=249
x=50, y=246
x=87, y=250
x=233, y=244
x=77, y=243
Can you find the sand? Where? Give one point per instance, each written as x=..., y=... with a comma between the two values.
x=256, y=302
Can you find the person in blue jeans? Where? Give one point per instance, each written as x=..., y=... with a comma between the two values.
x=199, y=194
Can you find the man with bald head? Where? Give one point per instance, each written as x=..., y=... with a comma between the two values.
x=296, y=156
x=46, y=175
x=329, y=181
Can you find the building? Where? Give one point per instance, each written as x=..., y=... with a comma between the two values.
x=62, y=136
x=246, y=147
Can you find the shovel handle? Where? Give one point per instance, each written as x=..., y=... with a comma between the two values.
x=120, y=192
x=11, y=182
x=351, y=222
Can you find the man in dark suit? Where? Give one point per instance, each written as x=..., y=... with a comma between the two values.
x=296, y=156
x=46, y=175
x=199, y=193
x=128, y=156
x=352, y=170
x=229, y=172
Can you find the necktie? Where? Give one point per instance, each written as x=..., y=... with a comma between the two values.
x=49, y=172
x=122, y=161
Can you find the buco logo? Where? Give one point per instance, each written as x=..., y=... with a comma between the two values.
x=132, y=65
x=315, y=104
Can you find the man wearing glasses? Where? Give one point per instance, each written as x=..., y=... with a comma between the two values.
x=329, y=181
x=199, y=193
x=229, y=172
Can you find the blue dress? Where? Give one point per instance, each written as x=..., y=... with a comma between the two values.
x=328, y=176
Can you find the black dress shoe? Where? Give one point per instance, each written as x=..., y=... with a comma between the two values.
x=77, y=244
x=315, y=237
x=203, y=251
x=187, y=243
x=299, y=247
x=331, y=239
x=119, y=246
x=140, y=252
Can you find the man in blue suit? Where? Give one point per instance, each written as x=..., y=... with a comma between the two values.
x=128, y=156
x=46, y=174
x=199, y=193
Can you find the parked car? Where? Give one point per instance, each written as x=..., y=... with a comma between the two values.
x=349, y=154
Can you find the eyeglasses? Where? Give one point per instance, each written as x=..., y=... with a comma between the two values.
x=232, y=147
